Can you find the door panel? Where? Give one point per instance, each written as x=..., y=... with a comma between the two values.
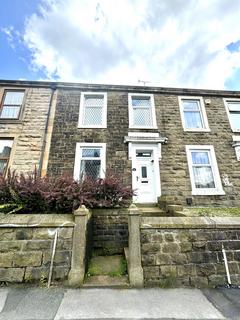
x=145, y=180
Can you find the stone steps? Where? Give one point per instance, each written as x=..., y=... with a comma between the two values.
x=107, y=271
x=151, y=211
x=105, y=281
x=143, y=205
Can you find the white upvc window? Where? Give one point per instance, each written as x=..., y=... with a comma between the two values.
x=233, y=112
x=237, y=151
x=203, y=169
x=90, y=161
x=141, y=111
x=193, y=114
x=93, y=110
x=236, y=145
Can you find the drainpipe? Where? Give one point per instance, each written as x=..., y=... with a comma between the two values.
x=53, y=87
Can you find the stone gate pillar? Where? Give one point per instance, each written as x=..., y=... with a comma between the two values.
x=77, y=272
x=135, y=270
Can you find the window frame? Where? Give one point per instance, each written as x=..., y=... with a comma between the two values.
x=203, y=114
x=9, y=159
x=130, y=111
x=218, y=190
x=226, y=101
x=78, y=157
x=5, y=90
x=82, y=109
x=236, y=146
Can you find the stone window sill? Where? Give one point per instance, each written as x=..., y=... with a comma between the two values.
x=91, y=127
x=197, y=130
x=208, y=193
x=10, y=121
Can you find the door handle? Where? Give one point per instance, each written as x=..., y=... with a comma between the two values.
x=137, y=177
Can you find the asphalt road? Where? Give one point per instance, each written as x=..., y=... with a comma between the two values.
x=18, y=303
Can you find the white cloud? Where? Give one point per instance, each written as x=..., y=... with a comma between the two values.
x=168, y=42
x=9, y=32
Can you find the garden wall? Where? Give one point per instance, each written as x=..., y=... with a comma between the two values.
x=188, y=251
x=26, y=243
x=110, y=230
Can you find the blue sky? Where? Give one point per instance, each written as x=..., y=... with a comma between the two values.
x=15, y=57
x=233, y=83
x=168, y=43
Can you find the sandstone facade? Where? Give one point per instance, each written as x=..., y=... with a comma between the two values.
x=174, y=172
x=66, y=134
x=48, y=139
x=27, y=132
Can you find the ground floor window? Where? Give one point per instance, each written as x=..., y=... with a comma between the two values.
x=203, y=169
x=5, y=151
x=90, y=161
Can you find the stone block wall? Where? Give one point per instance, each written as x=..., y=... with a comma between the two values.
x=110, y=230
x=26, y=243
x=27, y=132
x=188, y=251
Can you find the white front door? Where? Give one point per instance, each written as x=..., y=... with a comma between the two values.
x=145, y=174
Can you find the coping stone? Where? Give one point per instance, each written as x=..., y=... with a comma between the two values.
x=36, y=220
x=189, y=222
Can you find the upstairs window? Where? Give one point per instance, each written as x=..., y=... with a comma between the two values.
x=141, y=111
x=93, y=110
x=11, y=104
x=203, y=170
x=5, y=151
x=90, y=161
x=194, y=117
x=233, y=111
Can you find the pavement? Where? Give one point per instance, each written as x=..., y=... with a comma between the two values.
x=32, y=303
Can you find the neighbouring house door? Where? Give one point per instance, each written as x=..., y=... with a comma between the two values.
x=145, y=176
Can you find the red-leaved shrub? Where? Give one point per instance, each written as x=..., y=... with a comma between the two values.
x=5, y=194
x=62, y=193
x=106, y=193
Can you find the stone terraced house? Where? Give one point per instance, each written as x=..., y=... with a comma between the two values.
x=25, y=117
x=181, y=144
